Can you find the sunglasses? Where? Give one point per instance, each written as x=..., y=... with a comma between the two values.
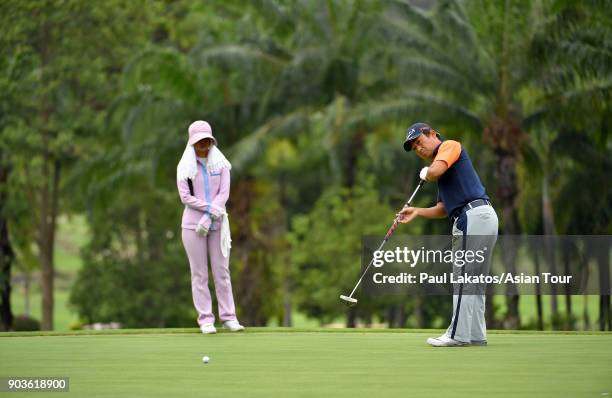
x=206, y=143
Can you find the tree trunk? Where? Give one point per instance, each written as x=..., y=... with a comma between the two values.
x=7, y=255
x=490, y=312
x=604, y=312
x=585, y=259
x=539, y=309
x=250, y=291
x=567, y=251
x=507, y=193
x=586, y=319
x=287, y=309
x=503, y=133
x=395, y=314
x=27, y=283
x=603, y=262
x=351, y=317
x=45, y=255
x=287, y=306
x=548, y=221
x=48, y=192
x=49, y=209
x=355, y=149
x=419, y=317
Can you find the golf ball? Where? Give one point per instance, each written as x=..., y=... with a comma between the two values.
x=205, y=359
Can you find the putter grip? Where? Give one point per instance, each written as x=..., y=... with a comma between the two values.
x=392, y=229
x=396, y=220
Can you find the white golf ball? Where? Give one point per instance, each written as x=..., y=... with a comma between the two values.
x=205, y=359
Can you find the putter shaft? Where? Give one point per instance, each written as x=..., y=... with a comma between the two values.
x=387, y=236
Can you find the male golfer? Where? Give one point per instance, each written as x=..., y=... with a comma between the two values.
x=461, y=197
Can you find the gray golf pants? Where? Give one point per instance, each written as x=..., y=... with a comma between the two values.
x=475, y=229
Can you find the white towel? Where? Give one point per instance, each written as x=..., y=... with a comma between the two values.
x=226, y=238
x=188, y=166
x=217, y=160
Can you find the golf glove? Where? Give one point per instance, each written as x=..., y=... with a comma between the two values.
x=204, y=224
x=201, y=230
x=423, y=173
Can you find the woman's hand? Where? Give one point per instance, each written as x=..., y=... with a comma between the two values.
x=201, y=230
x=408, y=214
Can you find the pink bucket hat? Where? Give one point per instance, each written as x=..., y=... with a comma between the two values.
x=199, y=130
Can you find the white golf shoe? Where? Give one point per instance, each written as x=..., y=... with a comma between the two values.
x=478, y=342
x=233, y=326
x=208, y=328
x=445, y=341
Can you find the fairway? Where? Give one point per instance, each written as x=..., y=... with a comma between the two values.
x=285, y=363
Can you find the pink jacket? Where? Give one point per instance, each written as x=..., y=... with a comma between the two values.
x=210, y=193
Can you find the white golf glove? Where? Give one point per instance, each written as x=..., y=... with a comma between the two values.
x=201, y=230
x=423, y=173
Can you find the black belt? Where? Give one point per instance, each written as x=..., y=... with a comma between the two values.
x=472, y=205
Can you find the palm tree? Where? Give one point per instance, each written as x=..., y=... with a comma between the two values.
x=576, y=47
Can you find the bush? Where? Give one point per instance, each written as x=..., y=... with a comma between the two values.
x=135, y=294
x=25, y=323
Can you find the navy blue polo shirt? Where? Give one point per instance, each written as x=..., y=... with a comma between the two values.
x=460, y=184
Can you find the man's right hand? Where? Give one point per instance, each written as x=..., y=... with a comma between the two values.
x=408, y=214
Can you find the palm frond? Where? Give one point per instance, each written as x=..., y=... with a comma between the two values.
x=412, y=106
x=163, y=71
x=251, y=147
x=425, y=72
x=233, y=55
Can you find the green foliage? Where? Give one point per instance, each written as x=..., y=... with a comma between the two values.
x=25, y=323
x=155, y=294
x=326, y=246
x=259, y=251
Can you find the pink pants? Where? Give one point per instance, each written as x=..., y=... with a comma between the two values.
x=198, y=248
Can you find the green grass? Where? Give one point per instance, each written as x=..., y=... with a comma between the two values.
x=270, y=362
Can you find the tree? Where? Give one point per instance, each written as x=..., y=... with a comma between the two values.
x=327, y=247
x=575, y=47
x=64, y=95
x=7, y=256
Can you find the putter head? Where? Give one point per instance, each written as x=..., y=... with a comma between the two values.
x=348, y=300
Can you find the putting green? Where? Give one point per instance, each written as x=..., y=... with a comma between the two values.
x=319, y=363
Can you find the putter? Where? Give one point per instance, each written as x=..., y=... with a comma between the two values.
x=349, y=299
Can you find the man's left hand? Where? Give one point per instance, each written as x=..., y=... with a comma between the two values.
x=423, y=173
